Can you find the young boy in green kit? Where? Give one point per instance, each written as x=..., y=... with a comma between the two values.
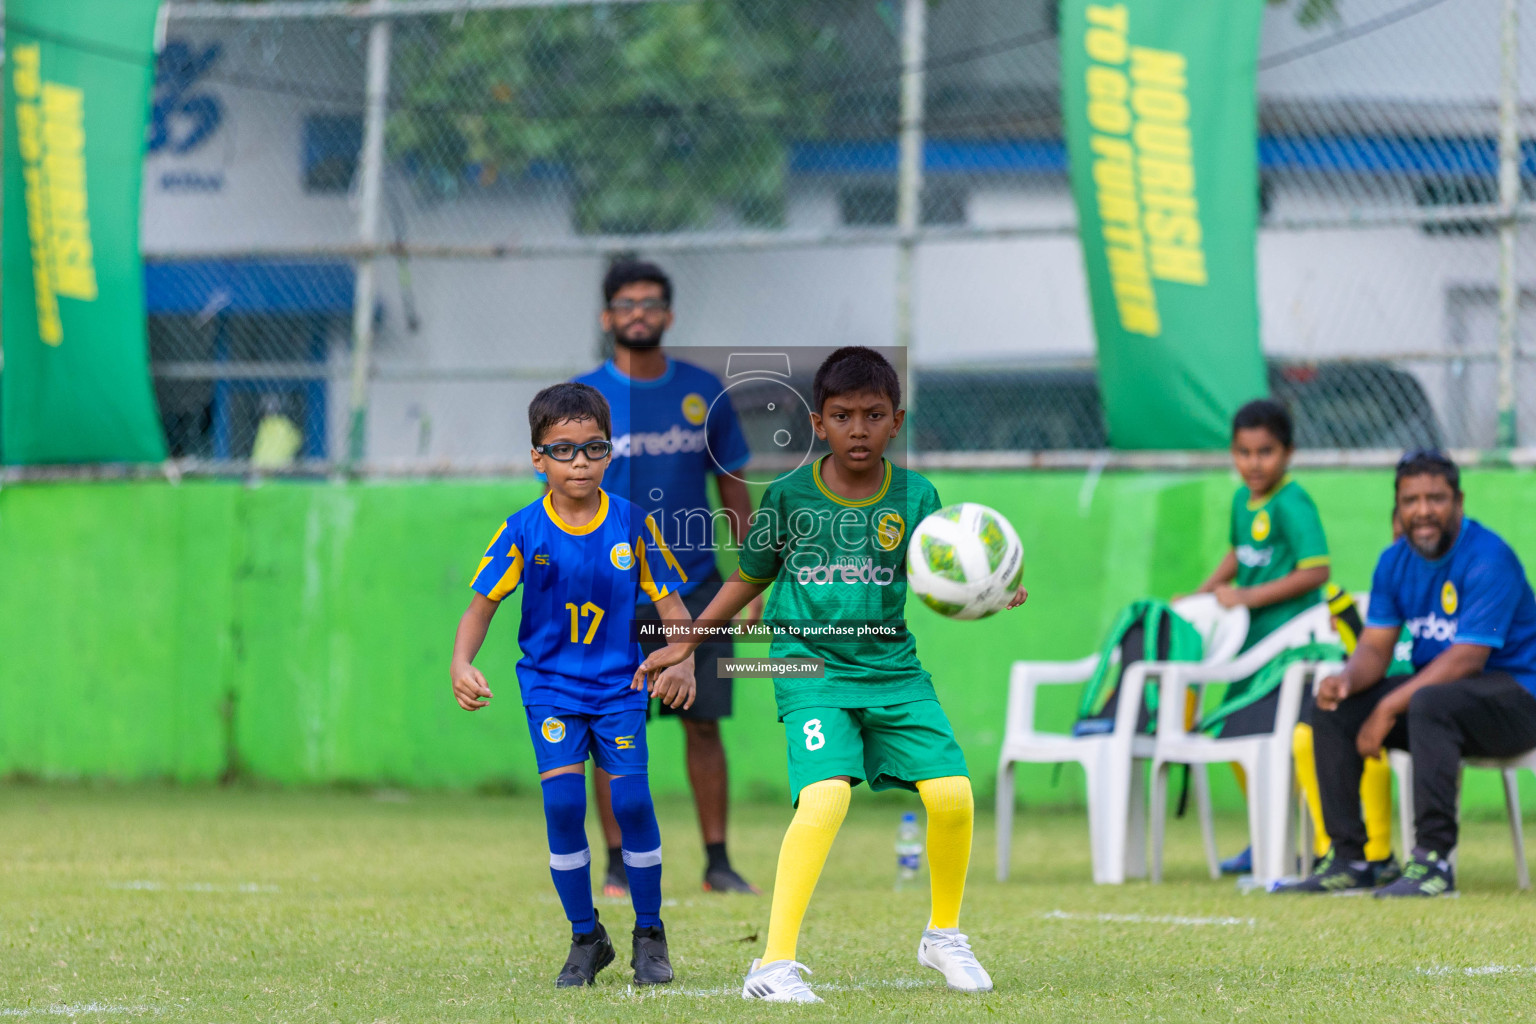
x=1278, y=562
x=833, y=537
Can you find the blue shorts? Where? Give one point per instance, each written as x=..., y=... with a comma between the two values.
x=616, y=742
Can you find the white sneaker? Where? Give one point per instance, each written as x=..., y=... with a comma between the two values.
x=780, y=982
x=949, y=953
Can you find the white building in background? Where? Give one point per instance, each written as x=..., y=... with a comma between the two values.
x=254, y=148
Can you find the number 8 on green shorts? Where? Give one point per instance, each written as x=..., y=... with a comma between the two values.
x=889, y=747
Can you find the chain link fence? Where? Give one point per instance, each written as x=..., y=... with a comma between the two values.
x=373, y=231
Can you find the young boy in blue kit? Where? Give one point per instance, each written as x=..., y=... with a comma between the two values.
x=583, y=558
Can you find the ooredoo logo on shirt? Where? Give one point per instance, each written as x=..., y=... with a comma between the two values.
x=862, y=570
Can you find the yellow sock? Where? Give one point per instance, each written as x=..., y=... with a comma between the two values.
x=1306, y=776
x=1376, y=803
x=1375, y=798
x=801, y=858
x=951, y=815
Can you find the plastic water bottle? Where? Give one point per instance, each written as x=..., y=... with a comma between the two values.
x=909, y=849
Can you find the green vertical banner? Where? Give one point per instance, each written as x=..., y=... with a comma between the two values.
x=75, y=386
x=1161, y=118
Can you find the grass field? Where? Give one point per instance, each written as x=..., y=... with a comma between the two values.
x=328, y=906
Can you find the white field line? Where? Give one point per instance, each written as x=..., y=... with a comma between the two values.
x=72, y=1010
x=142, y=885
x=735, y=990
x=1222, y=922
x=1475, y=972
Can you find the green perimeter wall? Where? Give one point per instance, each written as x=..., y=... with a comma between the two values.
x=300, y=633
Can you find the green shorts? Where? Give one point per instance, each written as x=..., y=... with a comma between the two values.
x=890, y=747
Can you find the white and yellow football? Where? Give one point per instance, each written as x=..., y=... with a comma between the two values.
x=965, y=561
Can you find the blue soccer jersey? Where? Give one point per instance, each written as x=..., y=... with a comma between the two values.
x=669, y=436
x=580, y=587
x=1476, y=593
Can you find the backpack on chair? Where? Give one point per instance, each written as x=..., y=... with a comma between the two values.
x=1171, y=639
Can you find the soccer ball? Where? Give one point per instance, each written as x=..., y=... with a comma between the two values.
x=965, y=561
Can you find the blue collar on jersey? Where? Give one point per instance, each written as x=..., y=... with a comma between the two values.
x=634, y=382
x=577, y=531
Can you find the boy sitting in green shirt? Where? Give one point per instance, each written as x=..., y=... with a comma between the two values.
x=1278, y=561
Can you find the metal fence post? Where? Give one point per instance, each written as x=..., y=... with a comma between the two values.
x=370, y=194
x=909, y=170
x=1509, y=198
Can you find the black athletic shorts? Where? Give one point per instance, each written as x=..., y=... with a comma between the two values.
x=713, y=700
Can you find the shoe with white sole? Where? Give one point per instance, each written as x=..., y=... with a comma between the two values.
x=779, y=982
x=949, y=953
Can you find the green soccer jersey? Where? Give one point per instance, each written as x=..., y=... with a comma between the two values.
x=1273, y=537
x=837, y=565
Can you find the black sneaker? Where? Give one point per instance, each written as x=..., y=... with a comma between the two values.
x=589, y=954
x=727, y=880
x=616, y=882
x=650, y=961
x=1332, y=875
x=1427, y=874
x=1385, y=872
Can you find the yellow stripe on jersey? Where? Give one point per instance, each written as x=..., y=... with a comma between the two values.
x=1345, y=614
x=751, y=579
x=509, y=579
x=1314, y=562
x=666, y=552
x=488, y=549
x=655, y=591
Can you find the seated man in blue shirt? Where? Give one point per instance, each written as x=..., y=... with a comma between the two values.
x=1472, y=616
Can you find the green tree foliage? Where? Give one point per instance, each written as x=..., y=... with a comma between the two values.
x=1312, y=13
x=661, y=114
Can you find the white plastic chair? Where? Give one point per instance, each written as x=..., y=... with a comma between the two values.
x=1402, y=766
x=1266, y=756
x=1114, y=762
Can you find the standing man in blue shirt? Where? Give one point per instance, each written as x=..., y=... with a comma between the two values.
x=1471, y=614
x=673, y=429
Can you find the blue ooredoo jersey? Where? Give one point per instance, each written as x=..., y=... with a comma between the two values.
x=580, y=587
x=1476, y=593
x=669, y=435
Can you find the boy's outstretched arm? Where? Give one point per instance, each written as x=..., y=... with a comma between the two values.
x=676, y=687
x=1292, y=584
x=1225, y=572
x=469, y=686
x=732, y=597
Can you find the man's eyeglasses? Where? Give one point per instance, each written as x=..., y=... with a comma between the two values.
x=645, y=305
x=565, y=451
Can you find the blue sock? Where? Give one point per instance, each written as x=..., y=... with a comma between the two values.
x=642, y=846
x=570, y=861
